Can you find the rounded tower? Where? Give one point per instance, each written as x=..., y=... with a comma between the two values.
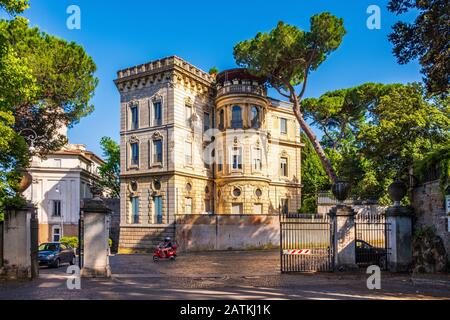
x=241, y=146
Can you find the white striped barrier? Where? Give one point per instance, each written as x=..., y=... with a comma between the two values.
x=297, y=251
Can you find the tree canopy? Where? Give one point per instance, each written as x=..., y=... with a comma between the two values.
x=426, y=39
x=376, y=132
x=110, y=171
x=45, y=83
x=286, y=55
x=13, y=6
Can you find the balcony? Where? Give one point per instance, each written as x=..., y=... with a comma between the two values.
x=241, y=88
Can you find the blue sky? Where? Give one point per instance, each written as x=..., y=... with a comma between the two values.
x=119, y=34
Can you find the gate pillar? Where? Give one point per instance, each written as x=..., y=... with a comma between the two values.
x=400, y=237
x=20, y=248
x=343, y=237
x=96, y=218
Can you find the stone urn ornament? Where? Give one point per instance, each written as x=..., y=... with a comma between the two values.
x=25, y=181
x=340, y=190
x=397, y=191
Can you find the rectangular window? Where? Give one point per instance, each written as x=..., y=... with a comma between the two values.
x=237, y=158
x=188, y=152
x=257, y=208
x=157, y=113
x=157, y=201
x=284, y=167
x=206, y=122
x=188, y=206
x=257, y=162
x=157, y=151
x=56, y=234
x=219, y=161
x=135, y=154
x=221, y=119
x=134, y=117
x=283, y=126
x=237, y=208
x=135, y=210
x=188, y=115
x=56, y=208
x=207, y=159
x=284, y=206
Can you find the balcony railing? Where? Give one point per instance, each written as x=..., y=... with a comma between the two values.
x=241, y=88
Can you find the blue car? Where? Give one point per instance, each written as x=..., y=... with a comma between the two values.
x=53, y=254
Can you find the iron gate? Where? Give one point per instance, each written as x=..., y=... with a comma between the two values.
x=1, y=243
x=306, y=243
x=80, y=249
x=372, y=241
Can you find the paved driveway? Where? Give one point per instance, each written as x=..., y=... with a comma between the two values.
x=223, y=275
x=226, y=263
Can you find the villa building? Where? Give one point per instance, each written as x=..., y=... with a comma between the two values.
x=199, y=144
x=60, y=182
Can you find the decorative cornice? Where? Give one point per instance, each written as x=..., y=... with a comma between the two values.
x=171, y=70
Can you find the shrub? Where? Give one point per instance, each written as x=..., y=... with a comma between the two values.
x=72, y=241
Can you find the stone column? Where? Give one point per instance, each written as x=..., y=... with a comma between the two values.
x=400, y=237
x=17, y=243
x=96, y=216
x=344, y=237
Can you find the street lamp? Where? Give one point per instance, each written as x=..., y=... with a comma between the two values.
x=31, y=137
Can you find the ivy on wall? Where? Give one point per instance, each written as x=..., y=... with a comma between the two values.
x=439, y=161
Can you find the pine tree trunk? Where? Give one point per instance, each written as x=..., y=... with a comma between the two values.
x=316, y=144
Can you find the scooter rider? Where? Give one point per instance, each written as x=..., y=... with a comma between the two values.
x=166, y=245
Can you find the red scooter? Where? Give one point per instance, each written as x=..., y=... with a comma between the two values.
x=161, y=252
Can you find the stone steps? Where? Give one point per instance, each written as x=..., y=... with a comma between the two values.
x=144, y=237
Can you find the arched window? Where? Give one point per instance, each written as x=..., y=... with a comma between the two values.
x=254, y=117
x=221, y=119
x=236, y=117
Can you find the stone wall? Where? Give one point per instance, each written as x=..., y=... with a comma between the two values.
x=429, y=206
x=143, y=239
x=227, y=232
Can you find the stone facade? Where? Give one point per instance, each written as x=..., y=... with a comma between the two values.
x=192, y=143
x=60, y=182
x=429, y=207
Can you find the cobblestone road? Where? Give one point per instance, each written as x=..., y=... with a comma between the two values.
x=222, y=275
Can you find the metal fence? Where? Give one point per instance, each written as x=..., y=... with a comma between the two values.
x=372, y=241
x=306, y=243
x=80, y=250
x=1, y=243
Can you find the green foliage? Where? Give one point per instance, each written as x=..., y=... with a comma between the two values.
x=287, y=54
x=45, y=82
x=213, y=71
x=72, y=241
x=339, y=113
x=426, y=39
x=110, y=171
x=64, y=83
x=314, y=177
x=14, y=6
x=374, y=133
x=437, y=159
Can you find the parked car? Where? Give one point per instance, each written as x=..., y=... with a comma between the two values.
x=53, y=254
x=367, y=254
